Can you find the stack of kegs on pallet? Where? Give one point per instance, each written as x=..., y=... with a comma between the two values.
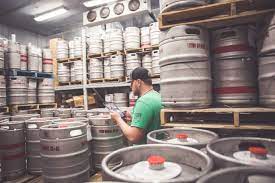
x=119, y=99
x=3, y=94
x=63, y=70
x=266, y=65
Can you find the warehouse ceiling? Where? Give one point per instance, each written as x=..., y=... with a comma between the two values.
x=20, y=14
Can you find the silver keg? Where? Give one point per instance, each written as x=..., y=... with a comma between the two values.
x=77, y=47
x=266, y=80
x=24, y=117
x=120, y=99
x=268, y=41
x=47, y=112
x=145, y=37
x=106, y=138
x=154, y=34
x=184, y=61
x=71, y=49
x=79, y=113
x=195, y=138
x=40, y=60
x=77, y=71
x=63, y=113
x=33, y=143
x=155, y=63
x=47, y=61
x=234, y=42
x=3, y=94
x=64, y=153
x=170, y=5
x=46, y=92
x=158, y=162
x=132, y=61
x=95, y=44
x=107, y=68
x=62, y=49
x=107, y=41
x=117, y=66
x=12, y=149
x=97, y=111
x=239, y=175
x=96, y=68
x=32, y=91
x=33, y=58
x=23, y=57
x=13, y=55
x=2, y=54
x=63, y=73
x=116, y=40
x=242, y=151
x=132, y=38
x=17, y=90
x=147, y=62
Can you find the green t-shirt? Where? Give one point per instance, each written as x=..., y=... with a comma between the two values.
x=146, y=113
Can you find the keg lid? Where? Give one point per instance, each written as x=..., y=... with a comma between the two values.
x=182, y=136
x=153, y=160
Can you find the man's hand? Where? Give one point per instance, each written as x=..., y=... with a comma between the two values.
x=128, y=116
x=115, y=116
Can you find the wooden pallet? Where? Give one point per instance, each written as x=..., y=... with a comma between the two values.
x=29, y=107
x=96, y=80
x=63, y=60
x=27, y=179
x=69, y=83
x=143, y=50
x=75, y=59
x=121, y=52
x=242, y=118
x=96, y=55
x=219, y=14
x=43, y=106
x=96, y=177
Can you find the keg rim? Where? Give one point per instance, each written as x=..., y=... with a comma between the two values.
x=78, y=125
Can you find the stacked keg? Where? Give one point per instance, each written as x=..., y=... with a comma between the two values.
x=77, y=71
x=77, y=47
x=47, y=61
x=32, y=91
x=106, y=138
x=62, y=49
x=235, y=66
x=33, y=58
x=147, y=62
x=154, y=34
x=145, y=37
x=120, y=99
x=132, y=61
x=64, y=152
x=13, y=55
x=185, y=69
x=71, y=49
x=63, y=73
x=3, y=94
x=96, y=68
x=266, y=65
x=40, y=59
x=116, y=40
x=117, y=66
x=63, y=113
x=107, y=41
x=17, y=90
x=107, y=68
x=24, y=117
x=12, y=149
x=23, y=57
x=132, y=38
x=95, y=44
x=46, y=91
x=47, y=112
x=155, y=62
x=2, y=54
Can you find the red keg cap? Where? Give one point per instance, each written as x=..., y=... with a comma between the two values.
x=258, y=150
x=182, y=136
x=156, y=160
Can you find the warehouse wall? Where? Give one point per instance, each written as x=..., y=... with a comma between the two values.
x=23, y=36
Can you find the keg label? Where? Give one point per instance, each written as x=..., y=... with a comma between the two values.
x=232, y=48
x=196, y=45
x=231, y=90
x=23, y=58
x=109, y=131
x=51, y=148
x=48, y=61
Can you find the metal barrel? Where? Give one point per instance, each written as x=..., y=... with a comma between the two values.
x=24, y=117
x=79, y=113
x=95, y=44
x=40, y=60
x=107, y=41
x=46, y=91
x=116, y=40
x=77, y=71
x=169, y=5
x=23, y=57
x=62, y=49
x=235, y=82
x=71, y=49
x=145, y=37
x=132, y=38
x=267, y=44
x=12, y=149
x=154, y=34
x=185, y=69
x=47, y=63
x=155, y=62
x=135, y=163
x=47, y=112
x=107, y=68
x=147, y=62
x=117, y=66
x=97, y=111
x=33, y=143
x=17, y=90
x=32, y=91
x=121, y=99
x=238, y=174
x=33, y=58
x=96, y=68
x=2, y=54
x=106, y=138
x=63, y=113
x=3, y=94
x=132, y=61
x=266, y=81
x=13, y=55
x=64, y=153
x=63, y=73
x=77, y=47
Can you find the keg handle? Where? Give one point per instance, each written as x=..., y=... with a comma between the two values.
x=192, y=31
x=117, y=166
x=76, y=132
x=227, y=33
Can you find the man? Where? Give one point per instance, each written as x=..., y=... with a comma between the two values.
x=146, y=113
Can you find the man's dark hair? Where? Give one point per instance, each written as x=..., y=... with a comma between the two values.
x=142, y=74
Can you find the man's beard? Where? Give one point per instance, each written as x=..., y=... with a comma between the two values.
x=137, y=93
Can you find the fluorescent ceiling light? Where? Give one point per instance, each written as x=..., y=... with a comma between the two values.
x=94, y=3
x=50, y=14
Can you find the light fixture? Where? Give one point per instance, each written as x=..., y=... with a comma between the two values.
x=50, y=14
x=94, y=3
